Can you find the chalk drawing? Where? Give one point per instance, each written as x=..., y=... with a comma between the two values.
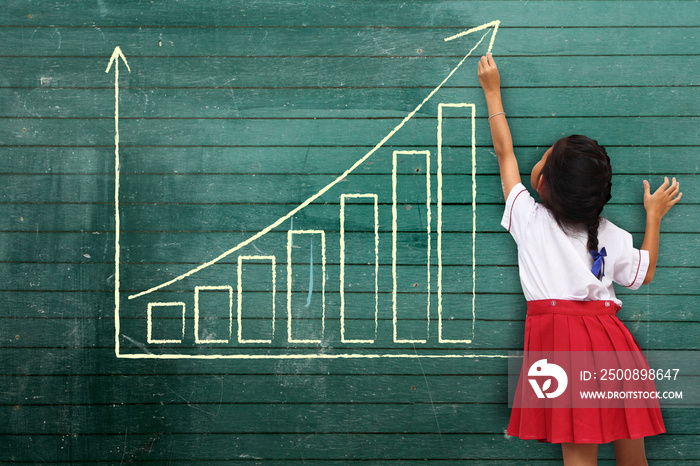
x=342, y=264
x=394, y=238
x=290, y=236
x=493, y=24
x=150, y=322
x=197, y=291
x=488, y=27
x=116, y=55
x=240, y=296
x=439, y=217
x=461, y=355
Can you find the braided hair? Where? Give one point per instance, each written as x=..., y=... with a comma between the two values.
x=578, y=181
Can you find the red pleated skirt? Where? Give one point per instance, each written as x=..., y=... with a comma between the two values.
x=561, y=325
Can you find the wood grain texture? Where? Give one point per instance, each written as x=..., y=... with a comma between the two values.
x=236, y=112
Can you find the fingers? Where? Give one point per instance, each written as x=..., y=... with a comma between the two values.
x=662, y=188
x=669, y=190
x=488, y=73
x=486, y=61
x=674, y=189
x=674, y=192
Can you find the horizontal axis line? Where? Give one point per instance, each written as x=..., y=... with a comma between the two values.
x=108, y=88
x=316, y=118
x=305, y=146
x=417, y=55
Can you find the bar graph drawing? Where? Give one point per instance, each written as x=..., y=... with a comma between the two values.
x=219, y=319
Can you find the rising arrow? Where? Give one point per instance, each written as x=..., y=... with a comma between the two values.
x=115, y=59
x=308, y=201
x=493, y=24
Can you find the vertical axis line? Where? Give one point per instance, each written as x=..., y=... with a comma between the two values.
x=117, y=226
x=116, y=55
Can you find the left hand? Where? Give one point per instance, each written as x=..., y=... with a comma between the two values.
x=659, y=203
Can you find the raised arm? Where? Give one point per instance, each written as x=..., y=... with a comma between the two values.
x=657, y=205
x=500, y=133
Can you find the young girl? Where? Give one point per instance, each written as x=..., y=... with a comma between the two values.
x=568, y=258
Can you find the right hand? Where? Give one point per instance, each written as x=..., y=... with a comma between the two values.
x=663, y=199
x=488, y=74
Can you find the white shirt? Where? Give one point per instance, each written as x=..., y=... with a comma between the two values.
x=557, y=265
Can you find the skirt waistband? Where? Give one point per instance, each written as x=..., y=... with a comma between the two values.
x=575, y=308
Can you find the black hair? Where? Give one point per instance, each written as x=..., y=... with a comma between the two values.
x=578, y=180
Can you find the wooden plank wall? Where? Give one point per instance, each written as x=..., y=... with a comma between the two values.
x=232, y=114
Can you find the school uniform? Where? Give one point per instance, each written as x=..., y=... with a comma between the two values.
x=570, y=309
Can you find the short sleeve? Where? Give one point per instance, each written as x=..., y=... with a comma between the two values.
x=631, y=270
x=519, y=208
x=631, y=265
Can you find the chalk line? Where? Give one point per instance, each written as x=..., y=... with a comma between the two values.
x=116, y=55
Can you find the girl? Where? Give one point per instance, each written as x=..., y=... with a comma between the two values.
x=568, y=258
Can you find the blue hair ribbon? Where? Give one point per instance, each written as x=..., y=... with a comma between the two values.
x=598, y=263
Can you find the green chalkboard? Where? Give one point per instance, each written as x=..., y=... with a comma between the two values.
x=269, y=232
